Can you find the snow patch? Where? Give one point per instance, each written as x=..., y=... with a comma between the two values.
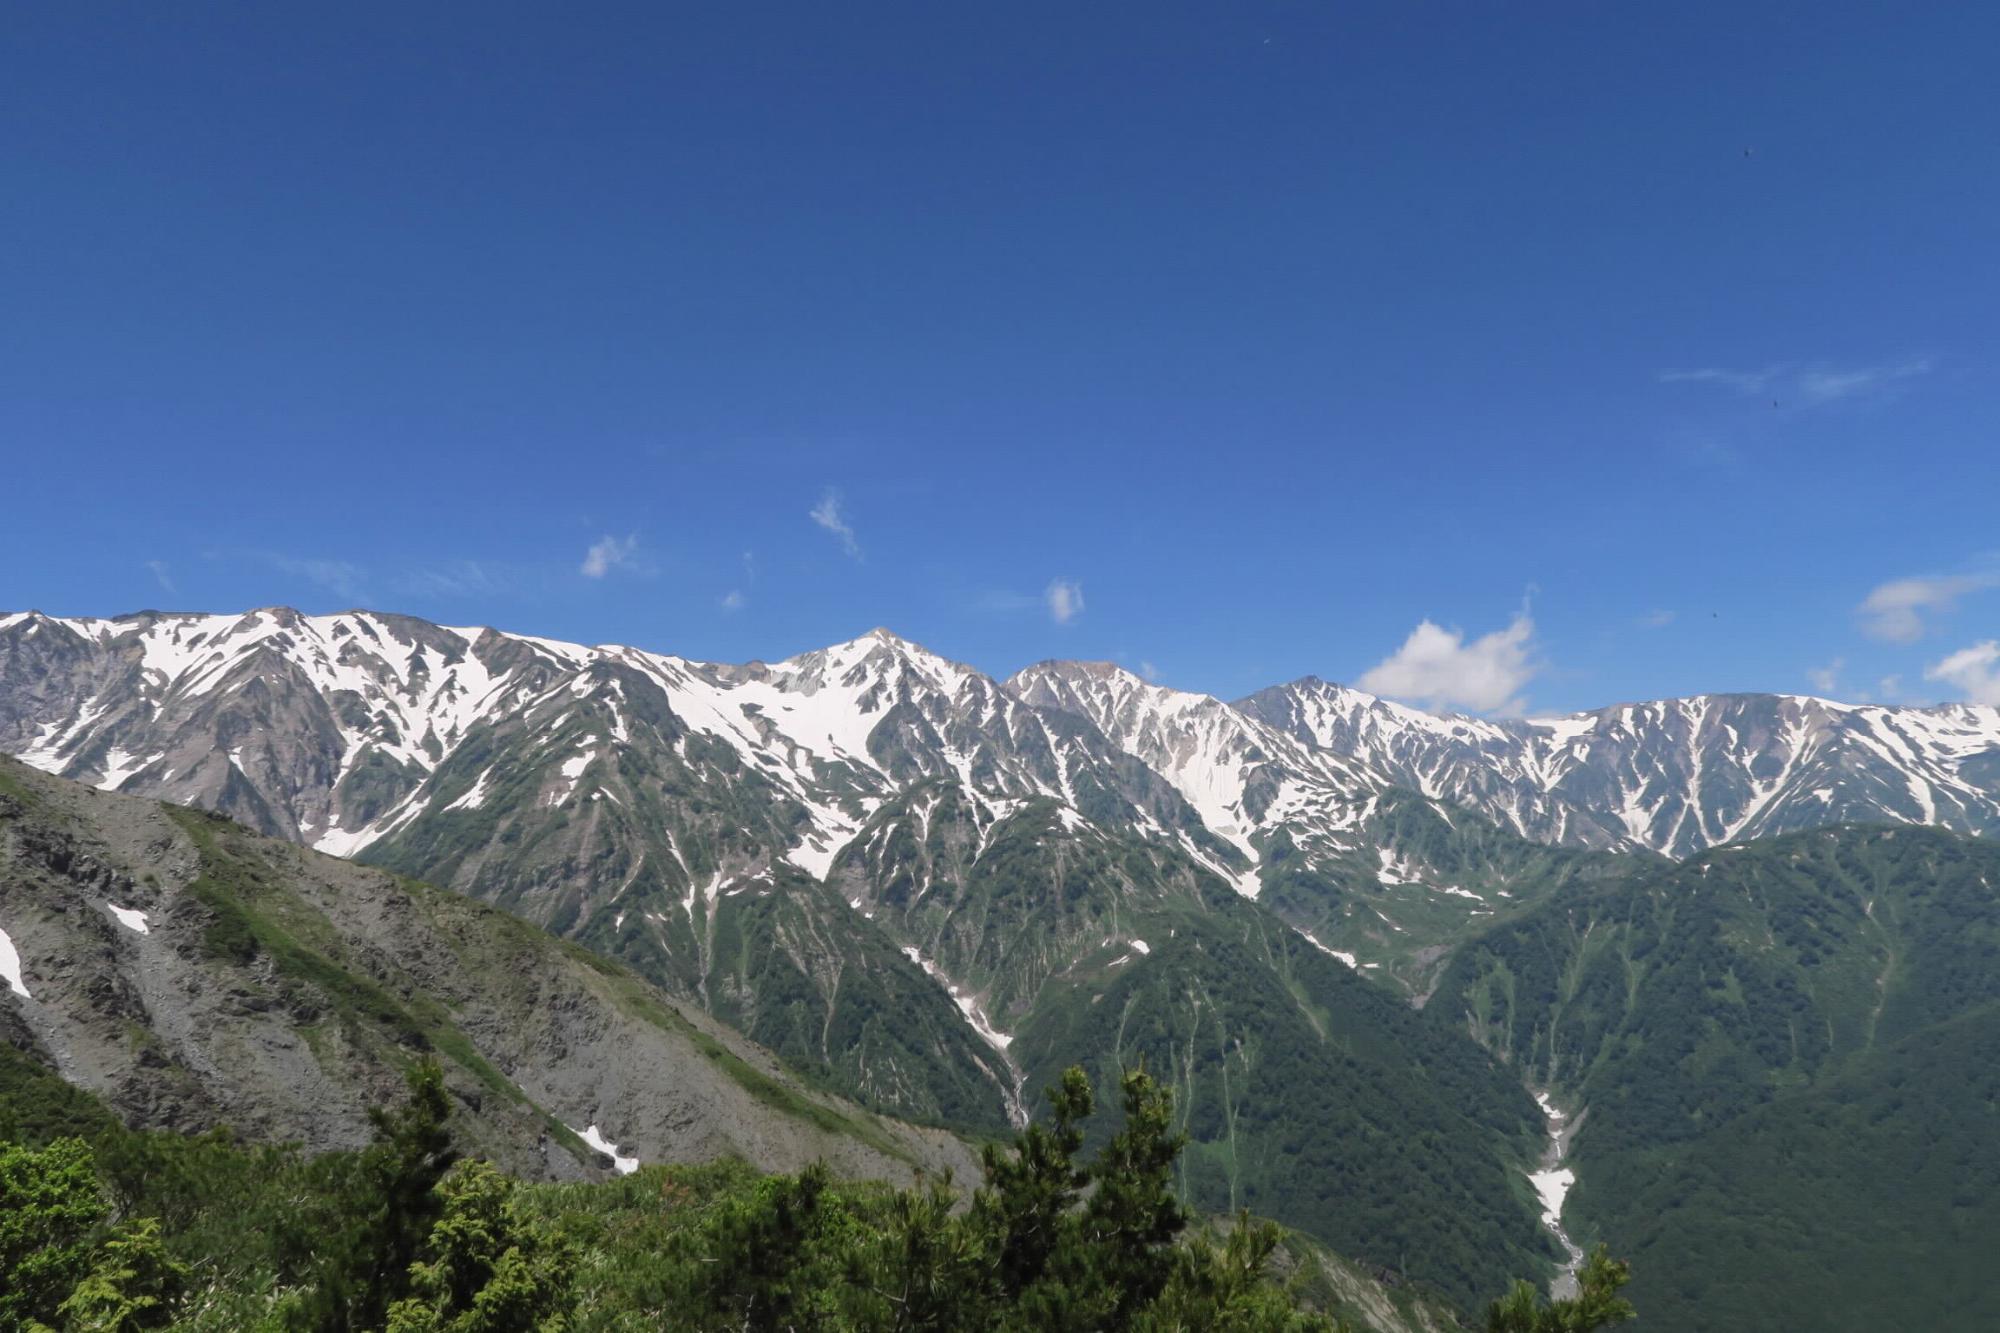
x=118, y=766
x=475, y=798
x=10, y=967
x=130, y=918
x=1353, y=964
x=1552, y=1187
x=967, y=1005
x=595, y=1138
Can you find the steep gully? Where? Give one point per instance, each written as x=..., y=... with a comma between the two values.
x=1552, y=1184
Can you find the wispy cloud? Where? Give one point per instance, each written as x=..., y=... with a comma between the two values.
x=1749, y=383
x=608, y=553
x=1830, y=386
x=1064, y=598
x=342, y=578
x=1899, y=609
x=1826, y=679
x=1974, y=672
x=1438, y=668
x=1808, y=385
x=163, y=576
x=1148, y=670
x=830, y=514
x=454, y=578
x=737, y=598
x=352, y=581
x=1656, y=620
x=1004, y=601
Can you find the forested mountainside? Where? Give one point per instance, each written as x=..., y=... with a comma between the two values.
x=1779, y=1056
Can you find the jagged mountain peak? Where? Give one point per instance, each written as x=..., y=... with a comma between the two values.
x=878, y=653
x=1062, y=666
x=1105, y=684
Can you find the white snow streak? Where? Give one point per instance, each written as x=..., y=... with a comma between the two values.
x=10, y=967
x=130, y=918
x=595, y=1138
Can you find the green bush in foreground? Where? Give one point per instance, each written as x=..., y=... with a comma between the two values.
x=49, y=1209
x=1596, y=1304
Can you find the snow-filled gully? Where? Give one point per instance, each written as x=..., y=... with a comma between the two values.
x=1552, y=1184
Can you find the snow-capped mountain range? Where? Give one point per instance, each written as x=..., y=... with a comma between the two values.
x=333, y=730
x=932, y=891
x=1675, y=775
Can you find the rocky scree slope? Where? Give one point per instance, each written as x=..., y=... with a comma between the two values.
x=195, y=974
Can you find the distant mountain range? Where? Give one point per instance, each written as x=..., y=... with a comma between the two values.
x=354, y=714
x=930, y=890
x=1675, y=775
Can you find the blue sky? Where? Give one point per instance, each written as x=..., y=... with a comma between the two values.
x=1632, y=349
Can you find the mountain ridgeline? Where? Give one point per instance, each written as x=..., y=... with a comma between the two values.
x=1349, y=936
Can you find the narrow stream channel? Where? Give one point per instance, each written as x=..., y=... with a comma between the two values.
x=1552, y=1184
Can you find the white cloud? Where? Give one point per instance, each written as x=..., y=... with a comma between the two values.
x=1826, y=679
x=1065, y=600
x=1746, y=382
x=829, y=514
x=1828, y=386
x=1896, y=610
x=1439, y=669
x=1149, y=671
x=163, y=575
x=1974, y=671
x=1810, y=385
x=1656, y=620
x=607, y=553
x=734, y=600
x=1890, y=687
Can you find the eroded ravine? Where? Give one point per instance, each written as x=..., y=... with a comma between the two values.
x=1552, y=1181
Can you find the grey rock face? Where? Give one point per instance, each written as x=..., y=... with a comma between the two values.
x=195, y=974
